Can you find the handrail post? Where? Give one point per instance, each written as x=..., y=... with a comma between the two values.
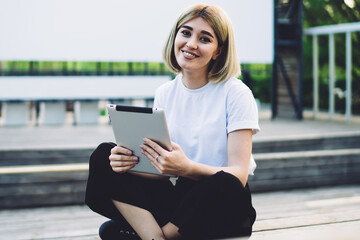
x=315, y=76
x=331, y=30
x=348, y=77
x=331, y=76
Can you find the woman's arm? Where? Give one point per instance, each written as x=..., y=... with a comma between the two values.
x=177, y=163
x=239, y=154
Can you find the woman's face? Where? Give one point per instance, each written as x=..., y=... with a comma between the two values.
x=195, y=45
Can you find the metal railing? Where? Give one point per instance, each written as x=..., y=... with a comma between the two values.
x=331, y=30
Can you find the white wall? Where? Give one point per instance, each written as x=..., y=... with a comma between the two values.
x=119, y=30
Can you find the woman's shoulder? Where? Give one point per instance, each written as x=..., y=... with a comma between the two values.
x=235, y=82
x=234, y=85
x=166, y=87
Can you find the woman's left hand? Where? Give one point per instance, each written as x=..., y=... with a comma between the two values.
x=173, y=162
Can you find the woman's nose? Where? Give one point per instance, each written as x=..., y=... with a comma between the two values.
x=192, y=43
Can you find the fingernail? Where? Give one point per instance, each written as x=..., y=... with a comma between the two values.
x=141, y=146
x=135, y=158
x=129, y=152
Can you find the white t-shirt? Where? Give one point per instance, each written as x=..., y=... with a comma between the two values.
x=200, y=119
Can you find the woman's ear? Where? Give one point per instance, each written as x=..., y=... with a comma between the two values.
x=217, y=53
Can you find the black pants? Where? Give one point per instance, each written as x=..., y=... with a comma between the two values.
x=217, y=206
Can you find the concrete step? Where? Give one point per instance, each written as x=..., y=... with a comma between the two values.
x=44, y=156
x=305, y=169
x=19, y=157
x=32, y=178
x=307, y=143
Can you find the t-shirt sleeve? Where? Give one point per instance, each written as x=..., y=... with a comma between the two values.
x=159, y=99
x=242, y=111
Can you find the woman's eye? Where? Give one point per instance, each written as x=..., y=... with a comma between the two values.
x=185, y=33
x=205, y=39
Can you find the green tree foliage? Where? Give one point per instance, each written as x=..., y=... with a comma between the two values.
x=327, y=12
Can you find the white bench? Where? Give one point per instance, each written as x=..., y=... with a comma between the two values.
x=52, y=92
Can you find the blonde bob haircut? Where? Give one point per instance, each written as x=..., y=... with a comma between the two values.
x=227, y=64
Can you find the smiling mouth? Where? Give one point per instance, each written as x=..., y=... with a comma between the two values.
x=189, y=54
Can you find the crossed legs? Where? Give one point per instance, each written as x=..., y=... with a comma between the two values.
x=145, y=224
x=226, y=201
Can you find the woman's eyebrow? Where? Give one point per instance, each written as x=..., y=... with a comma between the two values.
x=203, y=31
x=207, y=33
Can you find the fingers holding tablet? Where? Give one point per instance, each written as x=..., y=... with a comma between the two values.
x=122, y=159
x=121, y=150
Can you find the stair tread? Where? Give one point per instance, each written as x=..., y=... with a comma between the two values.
x=306, y=136
x=313, y=153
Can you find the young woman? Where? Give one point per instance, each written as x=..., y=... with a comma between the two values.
x=211, y=117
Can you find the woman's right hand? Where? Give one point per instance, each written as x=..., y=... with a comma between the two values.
x=122, y=159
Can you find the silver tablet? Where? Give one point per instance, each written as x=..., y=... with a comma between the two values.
x=132, y=124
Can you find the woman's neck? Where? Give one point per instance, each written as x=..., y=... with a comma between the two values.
x=194, y=80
